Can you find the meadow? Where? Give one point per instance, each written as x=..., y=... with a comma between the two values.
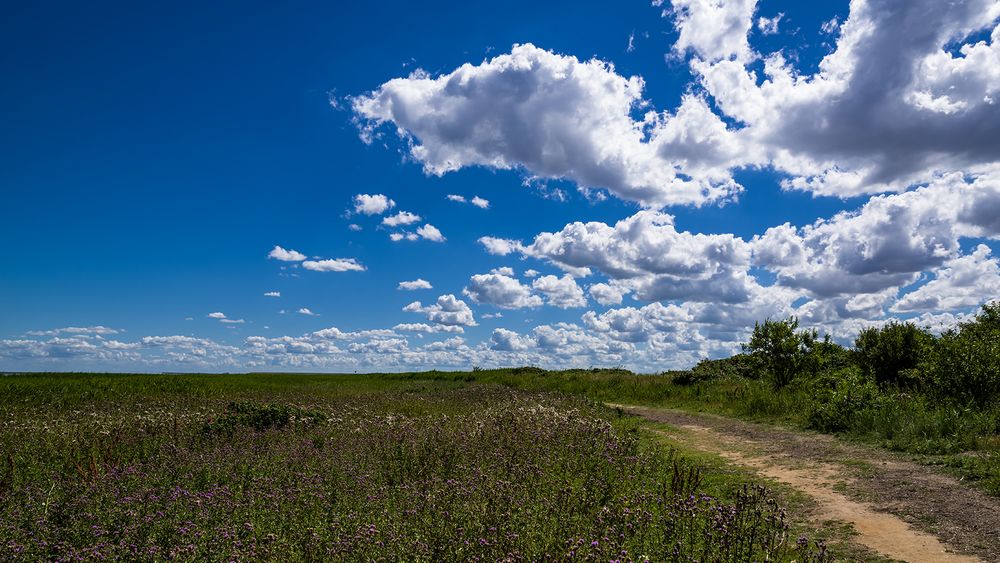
x=505, y=464
x=345, y=467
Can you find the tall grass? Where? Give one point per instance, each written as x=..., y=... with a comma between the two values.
x=286, y=467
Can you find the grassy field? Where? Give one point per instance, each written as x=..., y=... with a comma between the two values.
x=474, y=466
x=965, y=438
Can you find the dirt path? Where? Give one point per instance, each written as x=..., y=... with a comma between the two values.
x=898, y=508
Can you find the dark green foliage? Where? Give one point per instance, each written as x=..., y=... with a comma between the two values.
x=261, y=417
x=965, y=362
x=890, y=354
x=740, y=365
x=782, y=351
x=837, y=399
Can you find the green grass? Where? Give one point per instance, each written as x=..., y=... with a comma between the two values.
x=939, y=433
x=355, y=467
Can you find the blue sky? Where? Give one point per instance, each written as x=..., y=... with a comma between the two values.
x=155, y=155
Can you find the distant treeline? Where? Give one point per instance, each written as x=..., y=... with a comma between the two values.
x=962, y=364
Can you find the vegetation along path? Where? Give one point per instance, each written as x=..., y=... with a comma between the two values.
x=898, y=508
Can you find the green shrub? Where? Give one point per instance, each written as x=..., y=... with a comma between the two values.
x=738, y=366
x=891, y=353
x=838, y=398
x=782, y=352
x=965, y=362
x=261, y=417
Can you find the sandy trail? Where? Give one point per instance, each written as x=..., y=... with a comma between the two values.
x=899, y=509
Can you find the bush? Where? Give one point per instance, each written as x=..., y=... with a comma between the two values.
x=738, y=366
x=783, y=352
x=838, y=398
x=965, y=362
x=261, y=417
x=890, y=353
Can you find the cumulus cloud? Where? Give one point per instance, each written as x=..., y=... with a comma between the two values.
x=305, y=311
x=501, y=290
x=606, y=294
x=560, y=292
x=886, y=243
x=217, y=315
x=401, y=218
x=431, y=233
x=892, y=106
x=279, y=253
x=554, y=116
x=962, y=282
x=424, y=327
x=456, y=198
x=418, y=283
x=273, y=294
x=650, y=257
x=714, y=29
x=508, y=341
x=334, y=265
x=448, y=310
x=368, y=204
x=904, y=96
x=499, y=246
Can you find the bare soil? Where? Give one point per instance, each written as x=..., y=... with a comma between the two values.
x=898, y=508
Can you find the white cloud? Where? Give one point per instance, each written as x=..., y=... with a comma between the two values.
x=232, y=321
x=448, y=310
x=273, y=294
x=714, y=29
x=508, y=341
x=531, y=273
x=476, y=200
x=650, y=257
x=499, y=246
x=424, y=327
x=401, y=218
x=889, y=108
x=76, y=330
x=305, y=311
x=887, y=242
x=962, y=283
x=431, y=233
x=217, y=315
x=606, y=294
x=769, y=26
x=830, y=26
x=334, y=265
x=354, y=227
x=279, y=253
x=500, y=290
x=905, y=96
x=376, y=204
x=553, y=117
x=418, y=283
x=560, y=292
